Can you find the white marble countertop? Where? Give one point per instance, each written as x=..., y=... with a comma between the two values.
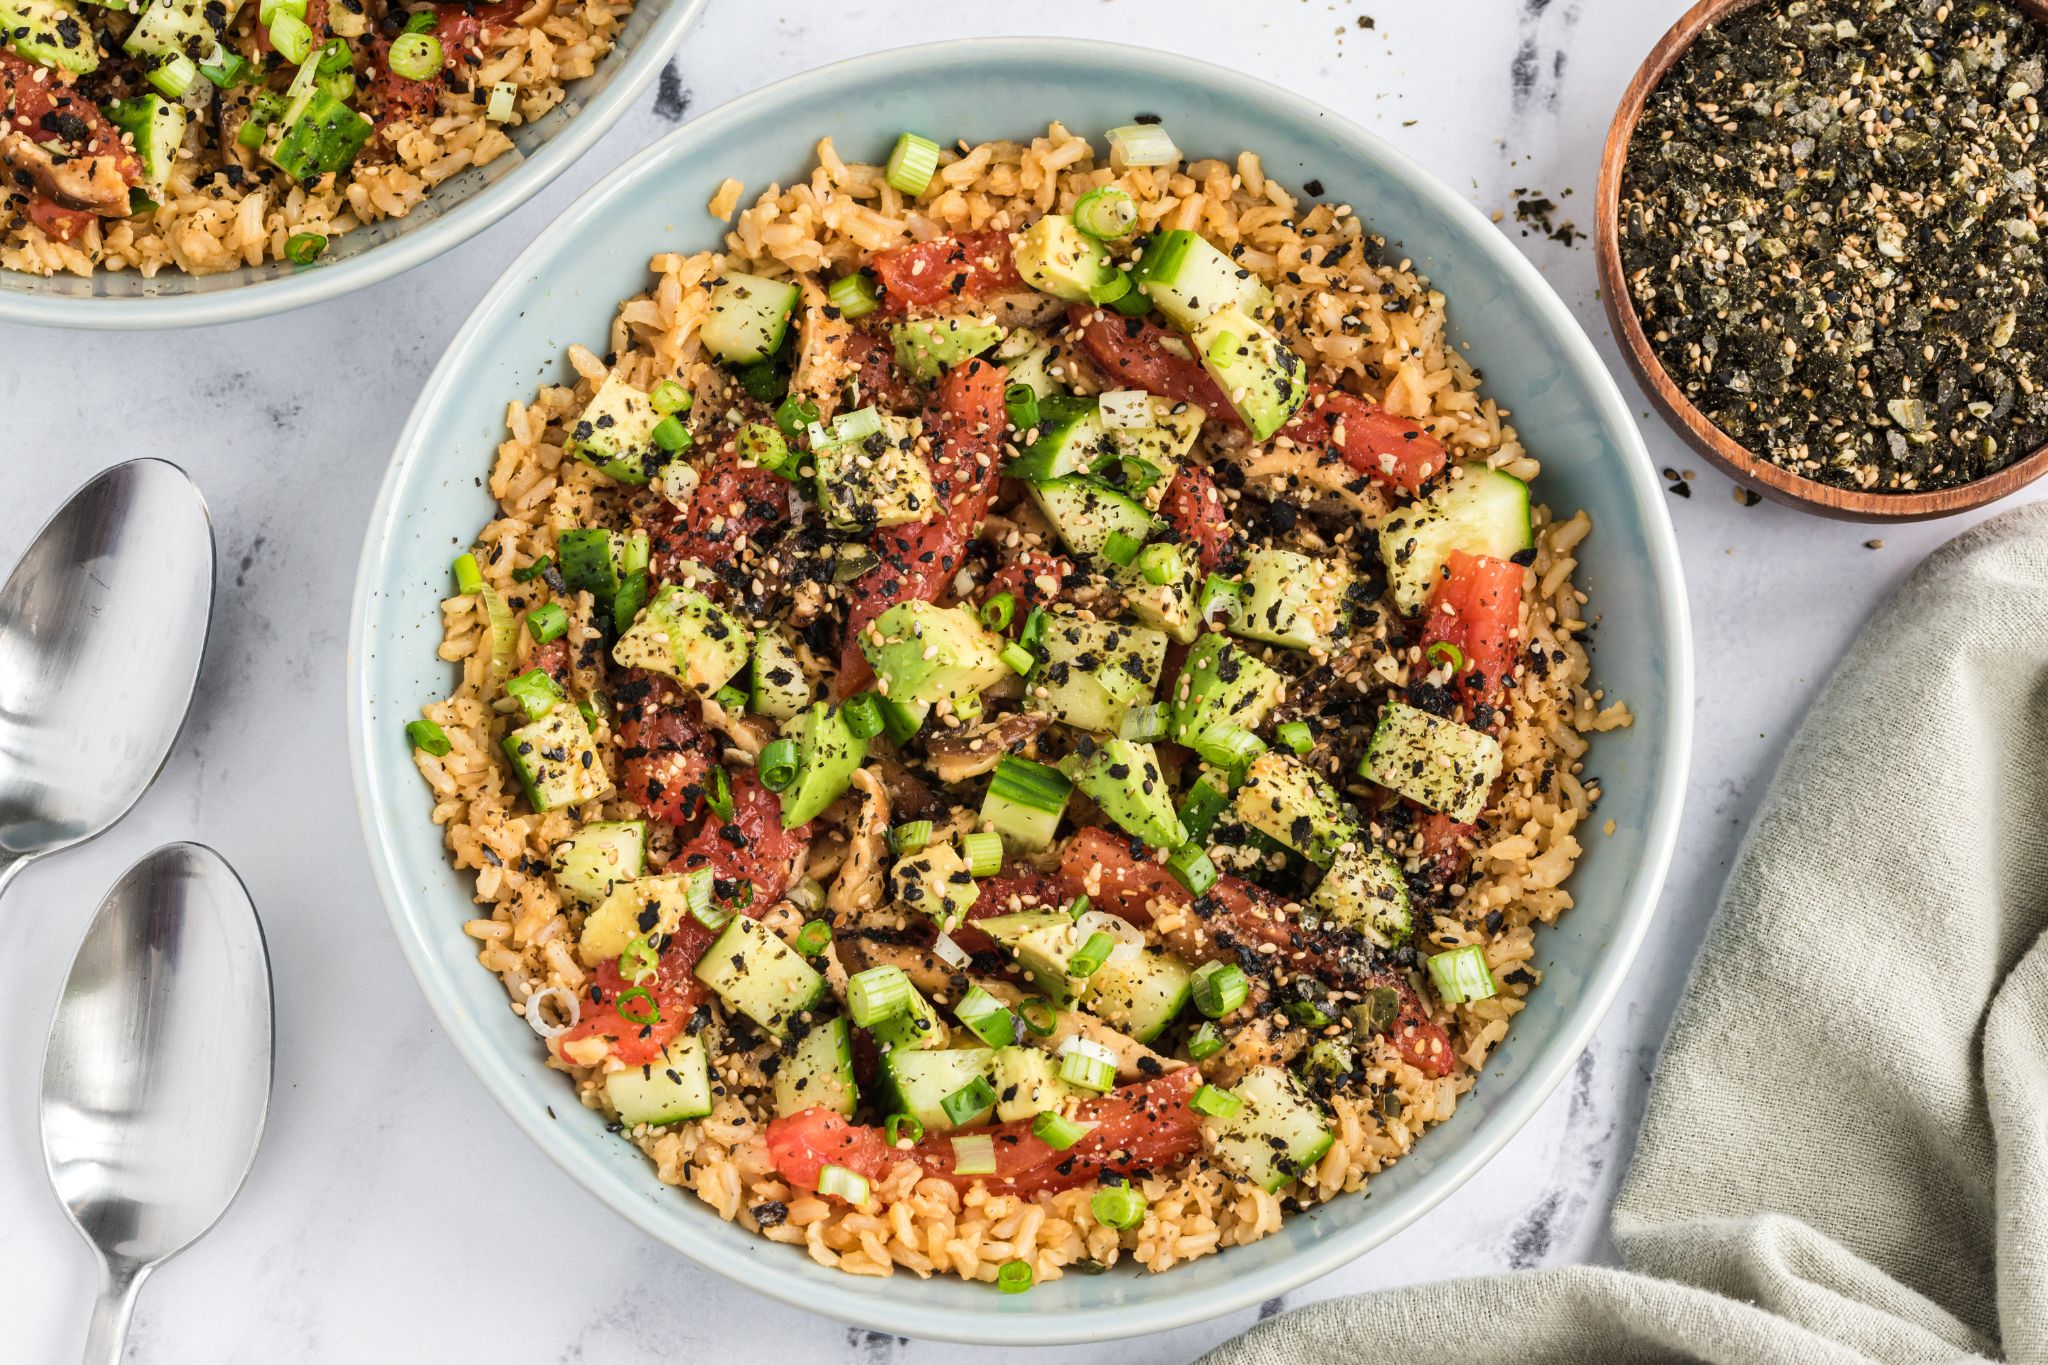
x=393, y=1214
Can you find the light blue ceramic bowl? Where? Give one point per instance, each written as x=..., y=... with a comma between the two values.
x=121, y=300
x=564, y=288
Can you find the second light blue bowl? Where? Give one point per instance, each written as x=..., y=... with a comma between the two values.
x=565, y=288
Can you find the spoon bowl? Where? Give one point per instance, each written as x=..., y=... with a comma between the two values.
x=156, y=1077
x=102, y=626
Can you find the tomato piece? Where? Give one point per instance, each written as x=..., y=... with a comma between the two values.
x=1143, y=1127
x=1103, y=867
x=48, y=111
x=944, y=269
x=1392, y=451
x=1195, y=511
x=879, y=380
x=734, y=503
x=675, y=993
x=802, y=1145
x=1002, y=896
x=463, y=31
x=1444, y=843
x=1476, y=609
x=1025, y=578
x=56, y=221
x=918, y=560
x=1140, y=353
x=666, y=752
x=970, y=422
x=752, y=847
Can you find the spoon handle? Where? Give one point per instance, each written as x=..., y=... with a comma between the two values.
x=119, y=1285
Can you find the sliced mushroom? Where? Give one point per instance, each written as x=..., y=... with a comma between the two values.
x=91, y=183
x=1256, y=1043
x=1134, y=1061
x=742, y=732
x=822, y=366
x=861, y=949
x=859, y=886
x=1299, y=475
x=957, y=755
x=909, y=797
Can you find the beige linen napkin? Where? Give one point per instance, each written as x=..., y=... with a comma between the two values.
x=1845, y=1154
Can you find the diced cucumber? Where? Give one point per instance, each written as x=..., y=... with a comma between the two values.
x=1094, y=671
x=598, y=857
x=819, y=1072
x=1433, y=761
x=1068, y=439
x=759, y=975
x=1086, y=513
x=686, y=636
x=1480, y=511
x=1277, y=1132
x=1024, y=803
x=781, y=689
x=1027, y=358
x=829, y=753
x=557, y=762
x=917, y=1084
x=50, y=33
x=589, y=560
x=1168, y=607
x=1027, y=1082
x=615, y=433
x=319, y=136
x=1059, y=259
x=671, y=1090
x=1364, y=890
x=646, y=907
x=1187, y=279
x=1041, y=941
x=1285, y=799
x=924, y=653
x=928, y=347
x=935, y=881
x=156, y=126
x=1139, y=994
x=1265, y=382
x=169, y=28
x=748, y=318
x=882, y=481
x=1124, y=779
x=918, y=1028
x=1222, y=684
x=1294, y=601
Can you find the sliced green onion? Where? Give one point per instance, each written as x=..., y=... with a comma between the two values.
x=335, y=57
x=1087, y=1064
x=1106, y=213
x=1143, y=144
x=591, y=708
x=1309, y=1014
x=1213, y=1103
x=814, y=938
x=967, y=1103
x=1115, y=286
x=778, y=764
x=1118, y=1206
x=267, y=10
x=855, y=297
x=1089, y=957
x=730, y=698
x=718, y=792
x=1191, y=867
x=1121, y=548
x=911, y=164
x=997, y=611
x=983, y=850
x=1135, y=304
x=1219, y=599
x=863, y=715
x=228, y=74
x=504, y=631
x=503, y=102
x=536, y=692
x=1219, y=988
x=671, y=435
x=1160, y=564
x=794, y=415
x=1020, y=659
x=414, y=56
x=428, y=737
x=648, y=1012
x=1015, y=1277
x=534, y=570
x=1025, y=782
x=293, y=40
x=254, y=129
x=974, y=1154
x=469, y=576
x=423, y=21
x=635, y=553
x=1033, y=629
x=900, y=1127
x=1206, y=800
x=846, y=428
x=627, y=602
x=668, y=396
x=698, y=888
x=910, y=837
x=304, y=248
x=547, y=622
x=986, y=1017
x=1144, y=724
x=967, y=709
x=901, y=721
x=1077, y=907
x=1206, y=1041
x=1444, y=652
x=639, y=962
x=1296, y=735
x=1039, y=1016
x=878, y=994
x=1057, y=1131
x=1228, y=746
x=840, y=1183
x=1020, y=403
x=1461, y=974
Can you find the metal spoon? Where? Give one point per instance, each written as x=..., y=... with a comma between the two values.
x=102, y=625
x=156, y=1078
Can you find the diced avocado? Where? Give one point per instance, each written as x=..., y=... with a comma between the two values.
x=1222, y=684
x=1364, y=890
x=917, y=1084
x=589, y=559
x=1068, y=439
x=1027, y=1082
x=781, y=688
x=1027, y=357
x=1294, y=600
x=935, y=881
x=319, y=138
x=1139, y=994
x=1125, y=780
x=1277, y=1132
x=50, y=33
x=1187, y=279
x=1059, y=259
x=1168, y=607
x=1094, y=671
x=156, y=127
x=1433, y=761
x=1160, y=447
x=918, y=1028
x=924, y=653
x=1024, y=803
x=675, y=1088
x=882, y=481
x=759, y=975
x=828, y=754
x=1087, y=512
x=557, y=762
x=615, y=433
x=686, y=636
x=818, y=1072
x=1479, y=510
x=748, y=318
x=1041, y=941
x=645, y=907
x=167, y=28
x=1265, y=382
x=598, y=857
x=927, y=347
x=1287, y=800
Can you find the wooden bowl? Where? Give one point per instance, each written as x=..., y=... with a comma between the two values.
x=1773, y=481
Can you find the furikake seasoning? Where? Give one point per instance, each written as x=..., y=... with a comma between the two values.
x=1830, y=226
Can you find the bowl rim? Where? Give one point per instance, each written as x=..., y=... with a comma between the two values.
x=386, y=259
x=1731, y=456
x=857, y=1301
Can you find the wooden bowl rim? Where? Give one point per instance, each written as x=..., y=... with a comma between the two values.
x=1735, y=459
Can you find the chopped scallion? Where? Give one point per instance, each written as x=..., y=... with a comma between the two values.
x=1213, y=1103
x=1219, y=599
x=846, y=428
x=1020, y=403
x=1087, y=1064
x=415, y=56
x=304, y=248
x=292, y=38
x=974, y=1154
x=983, y=850
x=840, y=1183
x=1089, y=957
x=1039, y=1016
x=428, y=737
x=547, y=622
x=730, y=698
x=638, y=963
x=778, y=764
x=1219, y=988
x=1057, y=1131
x=986, y=1017
x=668, y=396
x=855, y=297
x=627, y=602
x=1118, y=1206
x=671, y=435
x=1143, y=144
x=469, y=576
x=1121, y=548
x=1444, y=652
x=1020, y=659
x=1228, y=746
x=1160, y=564
x=1461, y=974
x=1191, y=867
x=643, y=1011
x=718, y=792
x=1106, y=213
x=969, y=1102
x=536, y=692
x=1296, y=735
x=911, y=164
x=900, y=1128
x=997, y=611
x=534, y=570
x=1015, y=1277
x=423, y=21
x=1206, y=1041
x=911, y=836
x=878, y=995
x=863, y=715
